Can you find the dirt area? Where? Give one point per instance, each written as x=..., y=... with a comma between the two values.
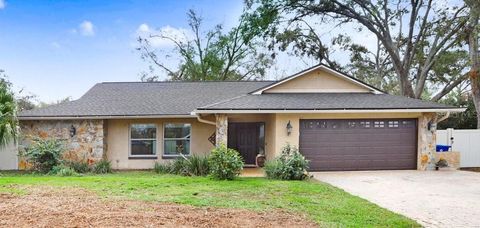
x=63, y=207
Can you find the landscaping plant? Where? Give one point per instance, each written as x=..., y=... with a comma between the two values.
x=290, y=165
x=63, y=171
x=163, y=168
x=44, y=154
x=194, y=165
x=225, y=163
x=78, y=166
x=103, y=166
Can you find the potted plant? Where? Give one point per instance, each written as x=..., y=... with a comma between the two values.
x=441, y=163
x=260, y=160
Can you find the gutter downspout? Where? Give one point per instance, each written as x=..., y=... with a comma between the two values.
x=199, y=118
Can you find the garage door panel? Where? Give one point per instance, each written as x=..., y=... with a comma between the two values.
x=359, y=144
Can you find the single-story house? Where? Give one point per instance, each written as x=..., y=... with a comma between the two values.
x=338, y=122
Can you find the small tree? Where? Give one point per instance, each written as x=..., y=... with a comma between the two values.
x=8, y=113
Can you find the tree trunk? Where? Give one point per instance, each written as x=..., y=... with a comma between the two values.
x=473, y=35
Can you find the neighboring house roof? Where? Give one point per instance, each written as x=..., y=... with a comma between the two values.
x=119, y=99
x=323, y=101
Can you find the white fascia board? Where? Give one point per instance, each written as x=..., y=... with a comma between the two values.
x=103, y=117
x=329, y=111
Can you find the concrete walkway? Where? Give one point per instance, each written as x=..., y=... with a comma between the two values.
x=433, y=198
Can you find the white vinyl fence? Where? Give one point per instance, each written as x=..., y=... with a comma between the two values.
x=8, y=157
x=467, y=142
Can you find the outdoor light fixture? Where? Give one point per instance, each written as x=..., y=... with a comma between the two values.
x=73, y=131
x=289, y=128
x=432, y=126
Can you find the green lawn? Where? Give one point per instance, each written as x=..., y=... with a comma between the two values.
x=323, y=203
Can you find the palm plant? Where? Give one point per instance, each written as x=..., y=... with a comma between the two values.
x=8, y=114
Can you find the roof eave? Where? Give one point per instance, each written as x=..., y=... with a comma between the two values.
x=100, y=117
x=252, y=111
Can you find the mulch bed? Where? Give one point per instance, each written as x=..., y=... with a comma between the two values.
x=66, y=207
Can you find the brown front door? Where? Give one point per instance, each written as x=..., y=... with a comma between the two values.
x=359, y=144
x=244, y=137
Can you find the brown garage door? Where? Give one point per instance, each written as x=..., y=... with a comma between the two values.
x=377, y=144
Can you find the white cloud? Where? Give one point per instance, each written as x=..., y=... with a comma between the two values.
x=2, y=4
x=86, y=28
x=55, y=45
x=179, y=34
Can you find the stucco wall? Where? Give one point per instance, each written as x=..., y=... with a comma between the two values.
x=317, y=81
x=8, y=157
x=119, y=144
x=87, y=144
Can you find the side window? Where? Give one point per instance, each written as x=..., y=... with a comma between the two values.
x=176, y=139
x=143, y=140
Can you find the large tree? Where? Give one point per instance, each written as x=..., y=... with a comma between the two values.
x=473, y=33
x=206, y=55
x=8, y=111
x=413, y=35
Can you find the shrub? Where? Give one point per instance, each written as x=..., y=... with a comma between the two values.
x=44, y=154
x=63, y=171
x=225, y=163
x=103, y=166
x=79, y=166
x=194, y=165
x=163, y=168
x=197, y=165
x=290, y=165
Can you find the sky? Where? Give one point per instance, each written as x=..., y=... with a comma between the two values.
x=57, y=48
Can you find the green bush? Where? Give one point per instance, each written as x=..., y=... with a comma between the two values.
x=194, y=165
x=103, y=166
x=63, y=171
x=225, y=163
x=290, y=165
x=79, y=166
x=163, y=168
x=44, y=154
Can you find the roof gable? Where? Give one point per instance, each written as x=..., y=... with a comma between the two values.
x=319, y=79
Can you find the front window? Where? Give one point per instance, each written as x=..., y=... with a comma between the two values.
x=143, y=140
x=176, y=139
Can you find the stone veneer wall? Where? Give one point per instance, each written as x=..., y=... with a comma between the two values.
x=221, y=133
x=88, y=144
x=426, y=143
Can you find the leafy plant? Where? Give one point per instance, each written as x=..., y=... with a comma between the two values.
x=44, y=154
x=290, y=165
x=103, y=166
x=8, y=113
x=441, y=163
x=194, y=165
x=79, y=166
x=225, y=163
x=63, y=171
x=197, y=165
x=163, y=168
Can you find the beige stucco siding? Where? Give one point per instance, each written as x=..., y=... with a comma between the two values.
x=318, y=81
x=119, y=143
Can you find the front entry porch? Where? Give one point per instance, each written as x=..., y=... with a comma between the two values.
x=248, y=138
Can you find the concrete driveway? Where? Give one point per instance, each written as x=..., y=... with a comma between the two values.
x=432, y=198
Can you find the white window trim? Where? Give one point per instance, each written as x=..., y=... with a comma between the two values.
x=130, y=155
x=185, y=138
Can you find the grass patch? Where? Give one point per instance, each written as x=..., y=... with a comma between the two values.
x=323, y=203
